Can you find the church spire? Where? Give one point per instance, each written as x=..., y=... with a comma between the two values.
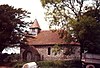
x=35, y=25
x=35, y=28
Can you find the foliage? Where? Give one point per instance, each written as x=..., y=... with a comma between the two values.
x=44, y=2
x=59, y=64
x=81, y=22
x=11, y=25
x=52, y=64
x=58, y=11
x=70, y=50
x=95, y=13
x=56, y=49
x=87, y=32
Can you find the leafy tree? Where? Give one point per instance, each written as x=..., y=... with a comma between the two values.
x=79, y=20
x=11, y=25
x=86, y=32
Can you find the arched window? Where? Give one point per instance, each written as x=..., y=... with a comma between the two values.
x=49, y=51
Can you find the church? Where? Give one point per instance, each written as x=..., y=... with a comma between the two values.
x=47, y=45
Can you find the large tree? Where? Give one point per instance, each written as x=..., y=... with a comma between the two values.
x=11, y=25
x=86, y=32
x=80, y=20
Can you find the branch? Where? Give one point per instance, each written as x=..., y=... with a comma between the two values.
x=71, y=8
x=81, y=5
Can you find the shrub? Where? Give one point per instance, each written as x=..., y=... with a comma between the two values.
x=53, y=64
x=72, y=64
x=60, y=64
x=18, y=64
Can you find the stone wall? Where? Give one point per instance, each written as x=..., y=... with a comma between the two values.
x=43, y=51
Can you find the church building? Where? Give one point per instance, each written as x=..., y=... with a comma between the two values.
x=47, y=45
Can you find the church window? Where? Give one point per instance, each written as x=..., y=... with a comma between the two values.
x=49, y=51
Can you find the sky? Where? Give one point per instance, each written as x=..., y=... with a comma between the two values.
x=33, y=6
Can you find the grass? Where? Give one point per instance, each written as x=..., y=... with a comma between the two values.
x=60, y=64
x=52, y=64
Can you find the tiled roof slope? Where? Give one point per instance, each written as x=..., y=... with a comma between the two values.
x=45, y=38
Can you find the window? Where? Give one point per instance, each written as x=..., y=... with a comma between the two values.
x=49, y=50
x=33, y=32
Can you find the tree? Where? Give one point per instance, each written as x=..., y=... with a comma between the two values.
x=11, y=25
x=95, y=13
x=82, y=22
x=63, y=12
x=55, y=12
x=58, y=11
x=87, y=33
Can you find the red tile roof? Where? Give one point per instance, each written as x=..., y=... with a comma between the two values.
x=45, y=38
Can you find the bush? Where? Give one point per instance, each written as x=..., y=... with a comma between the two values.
x=53, y=64
x=18, y=64
x=45, y=64
x=60, y=64
x=72, y=64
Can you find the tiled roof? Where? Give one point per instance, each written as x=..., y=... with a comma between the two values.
x=45, y=38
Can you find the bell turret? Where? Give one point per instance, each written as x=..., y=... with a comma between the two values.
x=35, y=28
